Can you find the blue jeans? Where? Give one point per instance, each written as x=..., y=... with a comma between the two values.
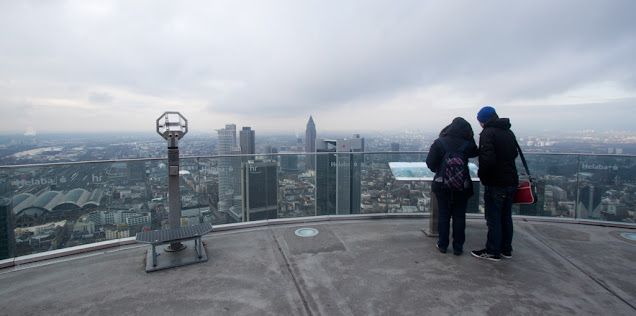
x=498, y=204
x=451, y=204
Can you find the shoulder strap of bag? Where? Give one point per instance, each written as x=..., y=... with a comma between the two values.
x=523, y=159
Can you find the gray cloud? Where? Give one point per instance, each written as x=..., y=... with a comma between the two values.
x=283, y=59
x=550, y=118
x=100, y=98
x=505, y=51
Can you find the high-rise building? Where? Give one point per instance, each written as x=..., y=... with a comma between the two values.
x=7, y=236
x=269, y=149
x=247, y=141
x=361, y=141
x=273, y=151
x=259, y=180
x=338, y=176
x=5, y=187
x=299, y=143
x=589, y=206
x=289, y=163
x=227, y=139
x=310, y=144
x=229, y=168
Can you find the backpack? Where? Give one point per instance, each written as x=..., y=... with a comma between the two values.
x=453, y=175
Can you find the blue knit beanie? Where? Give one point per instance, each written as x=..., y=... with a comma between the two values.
x=485, y=113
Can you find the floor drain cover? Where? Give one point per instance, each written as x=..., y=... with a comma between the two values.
x=629, y=236
x=306, y=232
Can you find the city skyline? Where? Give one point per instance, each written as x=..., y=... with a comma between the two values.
x=64, y=205
x=91, y=66
x=58, y=205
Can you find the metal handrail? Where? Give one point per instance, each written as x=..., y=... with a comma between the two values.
x=71, y=163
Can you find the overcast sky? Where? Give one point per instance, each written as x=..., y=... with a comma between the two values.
x=353, y=65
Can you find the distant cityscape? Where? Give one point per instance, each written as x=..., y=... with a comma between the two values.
x=123, y=190
x=17, y=149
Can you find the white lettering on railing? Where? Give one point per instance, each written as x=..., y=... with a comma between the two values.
x=96, y=179
x=598, y=167
x=254, y=169
x=23, y=182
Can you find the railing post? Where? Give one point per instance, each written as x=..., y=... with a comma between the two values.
x=578, y=183
x=198, y=184
x=433, y=220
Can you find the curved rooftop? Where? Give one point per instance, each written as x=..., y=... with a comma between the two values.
x=52, y=201
x=48, y=200
x=75, y=196
x=22, y=201
x=74, y=199
x=351, y=267
x=95, y=197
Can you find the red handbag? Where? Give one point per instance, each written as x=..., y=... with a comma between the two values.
x=526, y=191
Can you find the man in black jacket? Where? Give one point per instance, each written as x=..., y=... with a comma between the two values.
x=498, y=174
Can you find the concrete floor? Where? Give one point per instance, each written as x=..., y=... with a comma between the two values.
x=359, y=267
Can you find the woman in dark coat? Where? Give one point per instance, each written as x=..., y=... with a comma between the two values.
x=452, y=202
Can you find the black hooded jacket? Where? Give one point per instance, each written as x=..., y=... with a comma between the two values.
x=454, y=134
x=497, y=153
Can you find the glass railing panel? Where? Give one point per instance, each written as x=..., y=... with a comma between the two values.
x=230, y=189
x=208, y=191
x=258, y=187
x=52, y=205
x=7, y=234
x=375, y=182
x=5, y=183
x=606, y=188
x=61, y=206
x=135, y=208
x=381, y=192
x=193, y=205
x=127, y=208
x=58, y=206
x=296, y=186
x=337, y=183
x=555, y=177
x=158, y=205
